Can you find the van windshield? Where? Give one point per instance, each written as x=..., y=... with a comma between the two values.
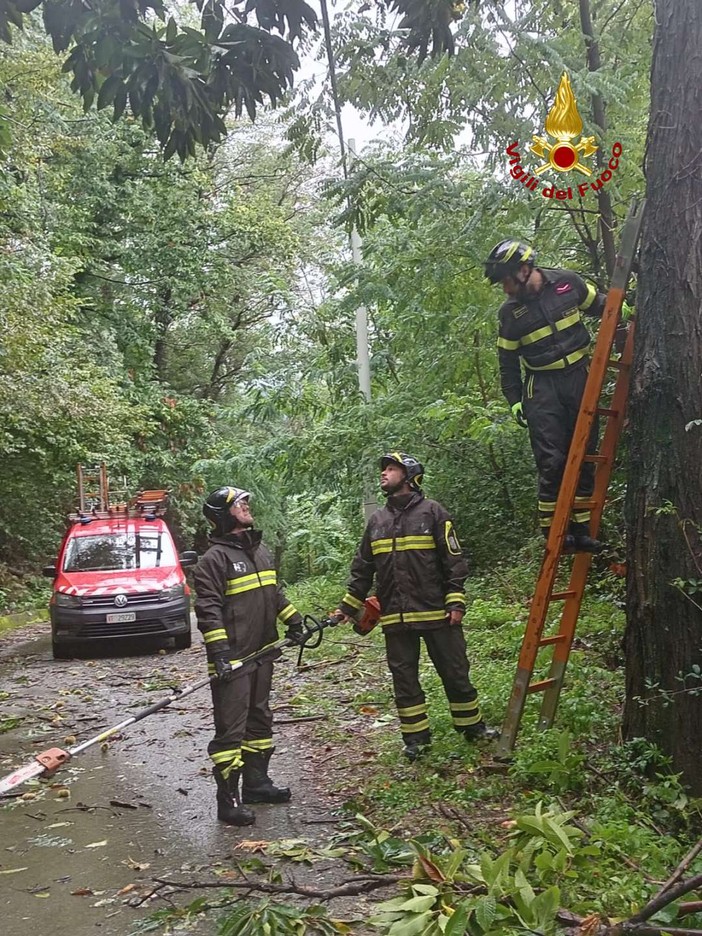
x=110, y=552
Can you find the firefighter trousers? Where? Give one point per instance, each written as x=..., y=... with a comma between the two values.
x=551, y=405
x=446, y=647
x=242, y=716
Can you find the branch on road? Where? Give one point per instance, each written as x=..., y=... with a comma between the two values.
x=362, y=885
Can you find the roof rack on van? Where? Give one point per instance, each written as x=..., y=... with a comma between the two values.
x=94, y=499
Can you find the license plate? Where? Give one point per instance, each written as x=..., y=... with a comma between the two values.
x=122, y=618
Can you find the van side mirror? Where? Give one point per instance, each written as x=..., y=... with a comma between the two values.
x=188, y=558
x=49, y=571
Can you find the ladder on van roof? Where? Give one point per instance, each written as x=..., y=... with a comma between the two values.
x=561, y=641
x=93, y=488
x=94, y=497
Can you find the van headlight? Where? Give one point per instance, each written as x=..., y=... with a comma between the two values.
x=175, y=591
x=62, y=600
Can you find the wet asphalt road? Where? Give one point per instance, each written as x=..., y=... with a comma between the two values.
x=74, y=855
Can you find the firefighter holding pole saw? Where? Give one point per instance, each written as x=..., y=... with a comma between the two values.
x=238, y=604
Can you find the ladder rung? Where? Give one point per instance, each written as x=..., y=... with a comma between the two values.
x=541, y=686
x=617, y=365
x=556, y=638
x=559, y=596
x=603, y=411
x=586, y=505
x=597, y=459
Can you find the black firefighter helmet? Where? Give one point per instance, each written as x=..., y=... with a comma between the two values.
x=414, y=470
x=506, y=258
x=217, y=506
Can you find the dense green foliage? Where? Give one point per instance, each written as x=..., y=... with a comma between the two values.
x=577, y=822
x=194, y=325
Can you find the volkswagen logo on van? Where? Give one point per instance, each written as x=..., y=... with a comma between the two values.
x=120, y=601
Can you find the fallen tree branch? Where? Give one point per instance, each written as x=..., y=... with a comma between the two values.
x=659, y=930
x=137, y=902
x=302, y=718
x=662, y=899
x=682, y=867
x=361, y=886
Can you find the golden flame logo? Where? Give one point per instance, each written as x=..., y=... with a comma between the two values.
x=564, y=124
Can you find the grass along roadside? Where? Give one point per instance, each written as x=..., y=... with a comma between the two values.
x=11, y=622
x=578, y=820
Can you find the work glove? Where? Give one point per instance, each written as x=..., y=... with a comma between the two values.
x=223, y=668
x=296, y=633
x=339, y=616
x=455, y=617
x=518, y=413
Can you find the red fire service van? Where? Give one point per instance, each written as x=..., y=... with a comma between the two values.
x=117, y=574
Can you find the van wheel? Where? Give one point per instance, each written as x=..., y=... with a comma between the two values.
x=62, y=651
x=183, y=641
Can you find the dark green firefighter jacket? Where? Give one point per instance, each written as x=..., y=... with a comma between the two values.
x=238, y=596
x=412, y=549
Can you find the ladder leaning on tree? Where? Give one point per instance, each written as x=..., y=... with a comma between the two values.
x=571, y=597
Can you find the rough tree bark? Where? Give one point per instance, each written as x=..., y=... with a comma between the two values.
x=663, y=639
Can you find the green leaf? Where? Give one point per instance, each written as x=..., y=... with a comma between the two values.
x=417, y=926
x=108, y=91
x=458, y=923
x=486, y=911
x=428, y=889
x=418, y=904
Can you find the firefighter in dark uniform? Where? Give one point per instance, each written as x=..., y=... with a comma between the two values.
x=540, y=326
x=411, y=546
x=238, y=602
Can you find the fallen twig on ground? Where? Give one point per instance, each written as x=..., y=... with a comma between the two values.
x=302, y=718
x=362, y=885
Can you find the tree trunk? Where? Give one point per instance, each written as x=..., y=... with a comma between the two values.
x=163, y=319
x=663, y=638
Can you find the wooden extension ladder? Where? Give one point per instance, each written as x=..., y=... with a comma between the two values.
x=93, y=488
x=544, y=595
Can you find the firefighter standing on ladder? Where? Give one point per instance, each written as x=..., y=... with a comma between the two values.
x=238, y=601
x=540, y=326
x=412, y=548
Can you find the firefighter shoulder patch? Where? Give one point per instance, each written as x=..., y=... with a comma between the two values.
x=519, y=311
x=239, y=566
x=452, y=544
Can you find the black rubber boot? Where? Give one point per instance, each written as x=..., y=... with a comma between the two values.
x=582, y=541
x=257, y=786
x=416, y=746
x=229, y=808
x=480, y=732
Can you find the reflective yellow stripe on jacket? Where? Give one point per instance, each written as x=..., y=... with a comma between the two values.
x=548, y=330
x=287, y=612
x=248, y=582
x=455, y=598
x=401, y=544
x=589, y=298
x=411, y=617
x=218, y=633
x=560, y=363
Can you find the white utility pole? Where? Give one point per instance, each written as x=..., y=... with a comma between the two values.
x=362, y=355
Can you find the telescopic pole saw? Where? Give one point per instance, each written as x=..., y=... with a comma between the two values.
x=46, y=763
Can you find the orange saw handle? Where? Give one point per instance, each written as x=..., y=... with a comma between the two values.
x=369, y=618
